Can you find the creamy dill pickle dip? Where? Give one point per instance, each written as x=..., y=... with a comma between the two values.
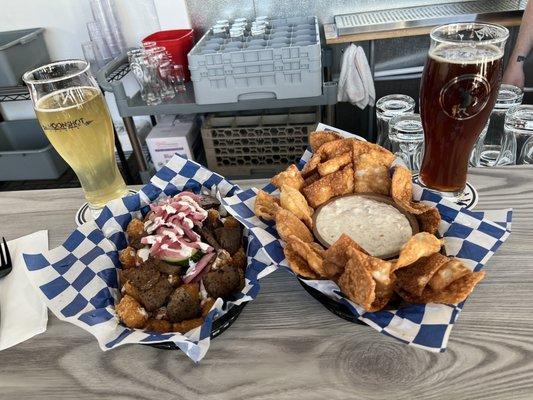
x=379, y=228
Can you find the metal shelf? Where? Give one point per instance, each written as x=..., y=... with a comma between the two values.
x=185, y=103
x=14, y=93
x=110, y=77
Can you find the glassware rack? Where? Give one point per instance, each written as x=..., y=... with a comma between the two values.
x=110, y=79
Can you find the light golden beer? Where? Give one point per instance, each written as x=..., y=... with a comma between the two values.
x=77, y=123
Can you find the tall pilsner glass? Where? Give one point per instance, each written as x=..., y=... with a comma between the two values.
x=459, y=87
x=73, y=114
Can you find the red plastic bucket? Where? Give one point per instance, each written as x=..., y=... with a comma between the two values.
x=178, y=43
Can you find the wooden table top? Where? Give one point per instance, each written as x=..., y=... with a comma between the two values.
x=286, y=345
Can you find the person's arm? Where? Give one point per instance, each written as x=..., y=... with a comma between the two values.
x=514, y=73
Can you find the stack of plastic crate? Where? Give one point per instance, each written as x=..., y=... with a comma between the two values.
x=258, y=145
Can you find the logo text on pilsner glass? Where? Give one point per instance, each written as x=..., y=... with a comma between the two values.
x=67, y=125
x=464, y=96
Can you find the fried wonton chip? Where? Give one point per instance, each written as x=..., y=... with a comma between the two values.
x=294, y=201
x=422, y=244
x=311, y=179
x=456, y=292
x=448, y=273
x=436, y=279
x=290, y=177
x=334, y=149
x=359, y=147
x=335, y=184
x=415, y=277
x=288, y=224
x=336, y=256
x=311, y=166
x=298, y=265
x=402, y=191
x=317, y=139
x=380, y=273
x=312, y=253
x=357, y=283
x=266, y=205
x=429, y=220
x=371, y=167
x=334, y=164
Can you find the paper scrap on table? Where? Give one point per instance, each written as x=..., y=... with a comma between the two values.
x=23, y=312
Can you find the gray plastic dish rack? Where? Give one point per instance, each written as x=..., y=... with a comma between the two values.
x=256, y=145
x=284, y=63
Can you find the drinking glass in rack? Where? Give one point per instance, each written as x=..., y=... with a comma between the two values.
x=388, y=107
x=495, y=145
x=406, y=137
x=519, y=126
x=140, y=65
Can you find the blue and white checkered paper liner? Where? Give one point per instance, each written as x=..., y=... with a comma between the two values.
x=471, y=236
x=79, y=278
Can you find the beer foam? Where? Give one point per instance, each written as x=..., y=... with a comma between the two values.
x=465, y=54
x=75, y=96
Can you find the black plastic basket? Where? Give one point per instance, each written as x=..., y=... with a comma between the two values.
x=336, y=308
x=219, y=326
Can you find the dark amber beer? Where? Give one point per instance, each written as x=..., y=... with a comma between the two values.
x=459, y=88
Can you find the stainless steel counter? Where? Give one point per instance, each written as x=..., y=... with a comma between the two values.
x=427, y=16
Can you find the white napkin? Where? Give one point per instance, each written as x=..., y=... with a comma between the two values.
x=23, y=313
x=355, y=81
x=365, y=73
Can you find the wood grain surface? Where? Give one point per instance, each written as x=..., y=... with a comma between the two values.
x=285, y=345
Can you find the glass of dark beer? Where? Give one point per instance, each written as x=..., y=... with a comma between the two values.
x=459, y=88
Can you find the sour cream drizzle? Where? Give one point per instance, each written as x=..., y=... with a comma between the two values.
x=170, y=227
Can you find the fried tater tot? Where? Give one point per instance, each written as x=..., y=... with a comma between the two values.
x=206, y=306
x=187, y=325
x=131, y=313
x=127, y=257
x=158, y=325
x=231, y=222
x=135, y=229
